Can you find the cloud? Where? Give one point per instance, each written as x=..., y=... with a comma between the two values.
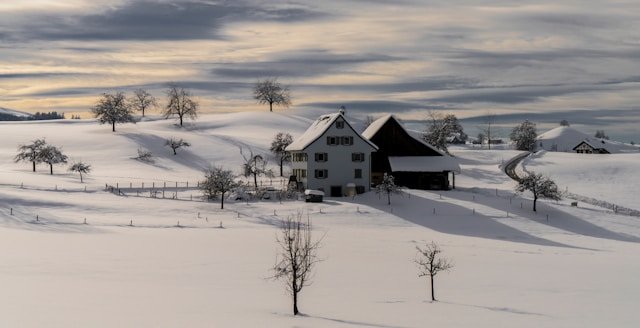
x=372, y=106
x=157, y=20
x=308, y=63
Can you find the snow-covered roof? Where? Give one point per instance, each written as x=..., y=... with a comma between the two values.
x=317, y=129
x=376, y=125
x=423, y=164
x=566, y=138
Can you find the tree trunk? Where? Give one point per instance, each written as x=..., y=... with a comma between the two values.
x=174, y=151
x=34, y=165
x=180, y=120
x=535, y=200
x=255, y=180
x=433, y=293
x=271, y=106
x=113, y=126
x=222, y=201
x=142, y=111
x=388, y=198
x=81, y=178
x=281, y=163
x=295, y=303
x=51, y=169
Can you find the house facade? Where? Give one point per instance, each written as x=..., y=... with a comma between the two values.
x=586, y=147
x=413, y=163
x=332, y=157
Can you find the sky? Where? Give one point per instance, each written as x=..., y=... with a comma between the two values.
x=538, y=60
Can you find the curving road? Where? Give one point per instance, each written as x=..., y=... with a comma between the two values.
x=510, y=167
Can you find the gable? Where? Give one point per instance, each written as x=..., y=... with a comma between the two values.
x=393, y=140
x=318, y=131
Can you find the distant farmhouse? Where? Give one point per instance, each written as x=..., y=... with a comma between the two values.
x=413, y=163
x=332, y=157
x=586, y=147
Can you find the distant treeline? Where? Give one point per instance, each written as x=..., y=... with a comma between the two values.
x=35, y=117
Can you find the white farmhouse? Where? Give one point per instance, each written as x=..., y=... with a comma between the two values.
x=331, y=156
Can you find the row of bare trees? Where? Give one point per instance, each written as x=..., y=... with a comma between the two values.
x=116, y=108
x=39, y=151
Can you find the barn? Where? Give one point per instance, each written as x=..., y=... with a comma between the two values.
x=413, y=163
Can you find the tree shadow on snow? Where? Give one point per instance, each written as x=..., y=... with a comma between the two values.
x=156, y=145
x=454, y=219
x=557, y=218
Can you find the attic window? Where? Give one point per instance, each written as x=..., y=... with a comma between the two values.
x=340, y=124
x=332, y=141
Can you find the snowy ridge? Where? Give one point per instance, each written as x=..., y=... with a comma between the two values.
x=565, y=138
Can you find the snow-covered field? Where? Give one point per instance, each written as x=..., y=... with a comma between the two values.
x=614, y=178
x=513, y=268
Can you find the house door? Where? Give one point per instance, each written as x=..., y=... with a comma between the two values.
x=336, y=191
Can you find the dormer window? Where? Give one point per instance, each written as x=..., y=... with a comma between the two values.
x=340, y=124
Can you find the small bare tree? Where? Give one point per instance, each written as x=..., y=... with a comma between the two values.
x=52, y=155
x=175, y=144
x=270, y=91
x=278, y=146
x=430, y=263
x=80, y=167
x=388, y=187
x=255, y=166
x=180, y=103
x=218, y=181
x=112, y=109
x=145, y=156
x=540, y=186
x=142, y=100
x=30, y=152
x=297, y=256
x=487, y=127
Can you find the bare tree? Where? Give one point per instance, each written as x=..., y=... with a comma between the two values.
x=601, y=135
x=440, y=128
x=297, y=256
x=175, y=144
x=52, y=155
x=30, y=152
x=80, y=167
x=270, y=91
x=145, y=156
x=487, y=127
x=368, y=120
x=112, y=109
x=430, y=263
x=255, y=166
x=180, y=103
x=388, y=187
x=540, y=186
x=142, y=100
x=564, y=123
x=278, y=146
x=218, y=181
x=524, y=135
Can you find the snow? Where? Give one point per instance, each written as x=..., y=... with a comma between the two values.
x=375, y=126
x=565, y=138
x=423, y=164
x=512, y=268
x=612, y=178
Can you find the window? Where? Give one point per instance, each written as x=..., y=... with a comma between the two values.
x=322, y=157
x=303, y=173
x=347, y=141
x=332, y=141
x=339, y=124
x=358, y=174
x=299, y=157
x=357, y=157
x=322, y=174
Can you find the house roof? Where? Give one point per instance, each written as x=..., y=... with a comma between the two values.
x=374, y=127
x=591, y=145
x=318, y=128
x=423, y=164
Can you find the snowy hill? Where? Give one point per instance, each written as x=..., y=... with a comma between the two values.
x=176, y=261
x=13, y=112
x=565, y=138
